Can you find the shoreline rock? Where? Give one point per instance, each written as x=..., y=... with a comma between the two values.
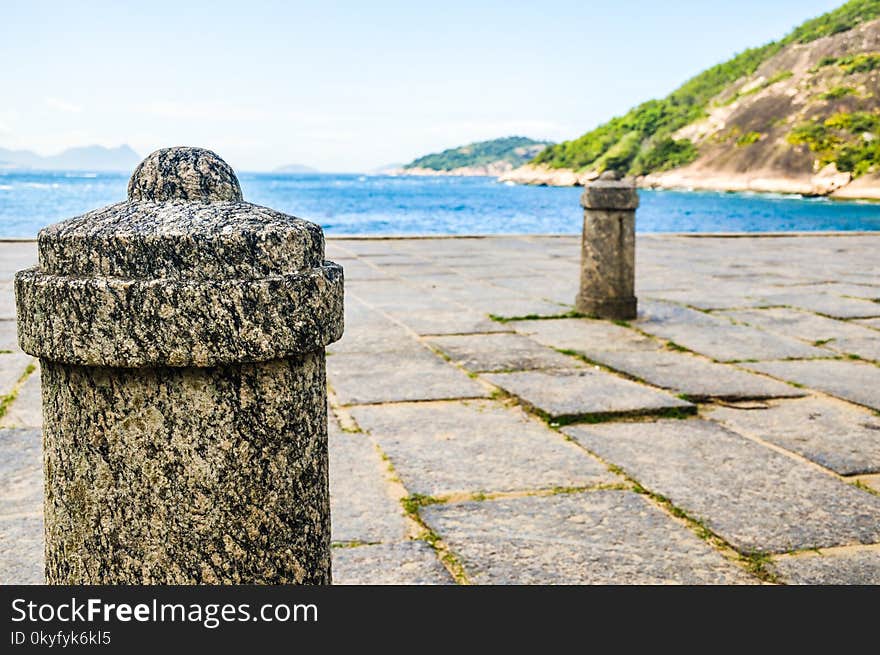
x=495, y=169
x=829, y=182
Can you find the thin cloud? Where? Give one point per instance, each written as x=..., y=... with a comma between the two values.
x=57, y=104
x=202, y=111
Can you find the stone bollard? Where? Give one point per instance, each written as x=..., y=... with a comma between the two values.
x=608, y=249
x=181, y=337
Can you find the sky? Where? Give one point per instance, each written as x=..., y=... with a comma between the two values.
x=352, y=86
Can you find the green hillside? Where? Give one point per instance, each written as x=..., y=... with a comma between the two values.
x=641, y=141
x=515, y=150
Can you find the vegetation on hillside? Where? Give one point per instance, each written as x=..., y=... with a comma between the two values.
x=848, y=140
x=516, y=150
x=641, y=140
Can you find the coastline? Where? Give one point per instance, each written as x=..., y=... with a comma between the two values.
x=828, y=183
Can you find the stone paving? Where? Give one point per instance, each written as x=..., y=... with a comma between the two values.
x=481, y=432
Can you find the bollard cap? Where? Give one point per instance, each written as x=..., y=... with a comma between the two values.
x=184, y=174
x=610, y=192
x=183, y=273
x=185, y=218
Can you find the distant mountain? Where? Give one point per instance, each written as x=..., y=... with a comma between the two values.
x=493, y=157
x=89, y=158
x=295, y=168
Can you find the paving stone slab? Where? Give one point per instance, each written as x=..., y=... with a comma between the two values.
x=7, y=301
x=709, y=299
x=727, y=342
x=515, y=307
x=865, y=291
x=21, y=550
x=654, y=312
x=561, y=287
x=584, y=336
x=828, y=304
x=447, y=448
x=16, y=255
x=595, y=537
x=21, y=471
x=840, y=436
x=375, y=336
x=840, y=336
x=402, y=563
x=26, y=411
x=397, y=376
x=873, y=323
x=8, y=336
x=581, y=393
x=696, y=377
x=855, y=381
x=846, y=566
x=363, y=506
x=356, y=270
x=12, y=367
x=427, y=323
x=500, y=352
x=756, y=498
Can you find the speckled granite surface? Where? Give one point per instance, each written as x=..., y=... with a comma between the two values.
x=179, y=239
x=183, y=173
x=181, y=338
x=187, y=475
x=129, y=323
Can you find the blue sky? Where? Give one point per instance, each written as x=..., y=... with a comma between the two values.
x=351, y=86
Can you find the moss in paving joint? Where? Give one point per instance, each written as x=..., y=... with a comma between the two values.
x=858, y=484
x=411, y=505
x=480, y=496
x=447, y=557
x=354, y=543
x=440, y=353
x=671, y=345
x=389, y=465
x=499, y=394
x=8, y=399
x=538, y=317
x=757, y=563
x=822, y=342
x=679, y=413
x=413, y=502
x=755, y=567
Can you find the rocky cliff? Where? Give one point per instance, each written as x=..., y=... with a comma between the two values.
x=801, y=115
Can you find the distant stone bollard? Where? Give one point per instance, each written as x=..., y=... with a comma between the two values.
x=181, y=336
x=608, y=249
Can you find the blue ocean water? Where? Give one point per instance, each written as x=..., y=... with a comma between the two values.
x=358, y=204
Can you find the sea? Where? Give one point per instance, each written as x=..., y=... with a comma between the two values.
x=352, y=204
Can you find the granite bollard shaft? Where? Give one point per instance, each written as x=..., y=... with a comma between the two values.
x=607, y=286
x=181, y=336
